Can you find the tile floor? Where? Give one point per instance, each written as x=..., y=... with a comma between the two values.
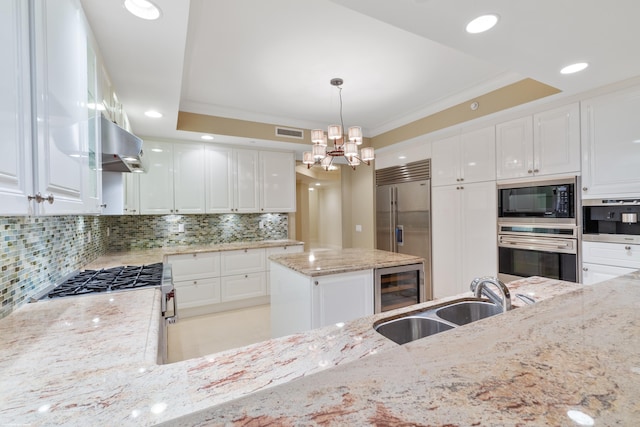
x=201, y=335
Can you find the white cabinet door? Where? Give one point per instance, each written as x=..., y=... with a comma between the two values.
x=198, y=292
x=16, y=160
x=611, y=145
x=243, y=286
x=131, y=194
x=188, y=178
x=446, y=228
x=194, y=265
x=341, y=297
x=277, y=182
x=156, y=186
x=479, y=232
x=556, y=141
x=469, y=157
x=478, y=155
x=445, y=164
x=242, y=261
x=514, y=148
x=596, y=273
x=61, y=108
x=464, y=236
x=246, y=193
x=219, y=181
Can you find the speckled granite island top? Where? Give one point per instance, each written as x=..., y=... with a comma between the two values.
x=320, y=263
x=90, y=361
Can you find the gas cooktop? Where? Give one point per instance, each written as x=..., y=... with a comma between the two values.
x=109, y=280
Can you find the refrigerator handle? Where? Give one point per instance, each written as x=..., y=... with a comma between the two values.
x=394, y=217
x=399, y=235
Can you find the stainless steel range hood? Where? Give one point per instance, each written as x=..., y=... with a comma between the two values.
x=121, y=150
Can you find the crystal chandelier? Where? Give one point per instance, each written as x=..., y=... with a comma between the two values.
x=323, y=155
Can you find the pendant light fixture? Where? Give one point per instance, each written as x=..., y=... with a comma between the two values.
x=343, y=145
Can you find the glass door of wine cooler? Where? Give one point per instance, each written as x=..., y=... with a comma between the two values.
x=397, y=287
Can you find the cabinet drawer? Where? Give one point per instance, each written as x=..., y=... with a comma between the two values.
x=196, y=293
x=242, y=261
x=294, y=249
x=596, y=273
x=243, y=286
x=614, y=254
x=195, y=265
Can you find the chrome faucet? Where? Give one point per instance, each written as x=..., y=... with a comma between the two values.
x=479, y=288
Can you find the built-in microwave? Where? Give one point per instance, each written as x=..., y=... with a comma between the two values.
x=548, y=201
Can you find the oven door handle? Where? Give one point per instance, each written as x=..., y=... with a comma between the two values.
x=541, y=244
x=168, y=296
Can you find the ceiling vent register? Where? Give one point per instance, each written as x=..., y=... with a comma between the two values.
x=290, y=133
x=414, y=171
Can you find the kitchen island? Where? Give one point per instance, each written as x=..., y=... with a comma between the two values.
x=319, y=288
x=91, y=361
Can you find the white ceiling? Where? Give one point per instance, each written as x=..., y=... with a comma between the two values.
x=271, y=61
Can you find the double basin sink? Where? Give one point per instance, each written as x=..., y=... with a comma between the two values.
x=416, y=325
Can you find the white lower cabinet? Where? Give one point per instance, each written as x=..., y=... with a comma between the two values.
x=464, y=236
x=209, y=282
x=300, y=303
x=603, y=261
x=196, y=293
x=243, y=286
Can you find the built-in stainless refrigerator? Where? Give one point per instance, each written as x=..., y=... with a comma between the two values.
x=403, y=225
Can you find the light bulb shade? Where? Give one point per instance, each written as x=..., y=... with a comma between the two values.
x=335, y=132
x=367, y=154
x=350, y=149
x=326, y=162
x=307, y=158
x=317, y=136
x=319, y=151
x=355, y=134
x=324, y=140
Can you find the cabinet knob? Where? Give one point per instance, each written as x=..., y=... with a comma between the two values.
x=176, y=210
x=195, y=282
x=536, y=171
x=461, y=179
x=246, y=276
x=584, y=188
x=628, y=248
x=39, y=198
x=585, y=269
x=104, y=205
x=316, y=283
x=194, y=255
x=530, y=171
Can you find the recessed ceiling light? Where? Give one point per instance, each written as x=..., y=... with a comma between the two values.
x=153, y=114
x=207, y=137
x=142, y=9
x=482, y=24
x=574, y=68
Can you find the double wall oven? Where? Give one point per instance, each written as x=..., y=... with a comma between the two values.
x=538, y=232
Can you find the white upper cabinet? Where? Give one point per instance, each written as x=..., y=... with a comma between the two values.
x=188, y=178
x=277, y=183
x=469, y=157
x=246, y=194
x=62, y=153
x=174, y=182
x=547, y=143
x=239, y=180
x=219, y=179
x=611, y=145
x=156, y=185
x=15, y=133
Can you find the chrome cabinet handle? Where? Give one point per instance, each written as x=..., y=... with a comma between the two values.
x=39, y=198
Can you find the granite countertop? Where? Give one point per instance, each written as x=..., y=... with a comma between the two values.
x=570, y=360
x=151, y=256
x=90, y=360
x=324, y=262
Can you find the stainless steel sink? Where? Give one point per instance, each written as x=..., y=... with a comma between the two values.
x=465, y=312
x=406, y=329
x=421, y=324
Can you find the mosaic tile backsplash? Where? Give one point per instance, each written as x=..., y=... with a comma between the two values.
x=38, y=251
